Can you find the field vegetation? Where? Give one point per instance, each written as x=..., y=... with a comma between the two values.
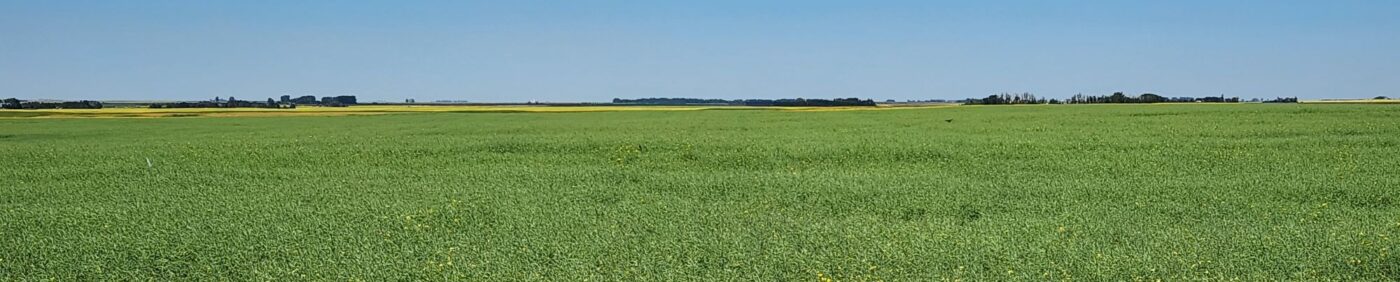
x=1035, y=192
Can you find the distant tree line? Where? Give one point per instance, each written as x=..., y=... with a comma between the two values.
x=1120, y=98
x=1115, y=98
x=287, y=102
x=218, y=102
x=343, y=100
x=676, y=101
x=923, y=101
x=338, y=101
x=1282, y=100
x=1010, y=99
x=12, y=103
x=799, y=102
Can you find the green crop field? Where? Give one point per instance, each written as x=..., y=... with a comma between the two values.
x=1082, y=192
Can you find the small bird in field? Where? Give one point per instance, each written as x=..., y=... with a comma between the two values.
x=948, y=120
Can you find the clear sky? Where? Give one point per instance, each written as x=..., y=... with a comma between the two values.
x=512, y=50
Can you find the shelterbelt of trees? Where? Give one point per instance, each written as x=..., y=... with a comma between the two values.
x=1115, y=98
x=799, y=102
x=12, y=103
x=287, y=102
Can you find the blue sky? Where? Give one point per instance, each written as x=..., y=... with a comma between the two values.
x=598, y=50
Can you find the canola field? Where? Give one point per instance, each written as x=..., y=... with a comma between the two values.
x=1050, y=192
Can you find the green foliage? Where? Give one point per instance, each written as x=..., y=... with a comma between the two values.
x=1088, y=192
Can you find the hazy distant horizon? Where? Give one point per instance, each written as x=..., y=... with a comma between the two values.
x=593, y=51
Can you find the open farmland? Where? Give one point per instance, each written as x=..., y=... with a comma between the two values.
x=1089, y=192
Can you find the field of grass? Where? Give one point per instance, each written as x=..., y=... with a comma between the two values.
x=1084, y=192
